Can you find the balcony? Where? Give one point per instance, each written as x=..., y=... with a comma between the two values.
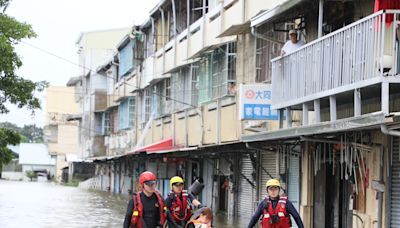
x=355, y=65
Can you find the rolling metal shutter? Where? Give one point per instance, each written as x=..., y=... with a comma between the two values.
x=268, y=169
x=395, y=185
x=294, y=183
x=247, y=194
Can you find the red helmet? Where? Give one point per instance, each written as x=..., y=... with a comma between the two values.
x=146, y=176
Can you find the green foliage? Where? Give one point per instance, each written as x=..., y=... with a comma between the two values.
x=72, y=183
x=30, y=174
x=29, y=133
x=13, y=88
x=7, y=137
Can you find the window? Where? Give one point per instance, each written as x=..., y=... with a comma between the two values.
x=126, y=112
x=146, y=104
x=197, y=9
x=162, y=98
x=126, y=59
x=185, y=90
x=195, y=84
x=106, y=125
x=217, y=73
x=150, y=43
x=266, y=50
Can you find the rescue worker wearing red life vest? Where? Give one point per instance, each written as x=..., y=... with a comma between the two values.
x=146, y=208
x=275, y=210
x=179, y=203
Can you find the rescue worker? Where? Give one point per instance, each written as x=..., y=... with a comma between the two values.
x=179, y=204
x=146, y=208
x=276, y=210
x=203, y=220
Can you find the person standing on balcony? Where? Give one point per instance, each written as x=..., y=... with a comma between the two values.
x=293, y=44
x=275, y=210
x=146, y=208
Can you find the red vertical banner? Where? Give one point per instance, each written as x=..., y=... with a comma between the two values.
x=387, y=4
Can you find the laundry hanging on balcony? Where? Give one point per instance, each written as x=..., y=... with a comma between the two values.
x=387, y=4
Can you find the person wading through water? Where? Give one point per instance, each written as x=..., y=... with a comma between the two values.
x=146, y=208
x=179, y=204
x=276, y=210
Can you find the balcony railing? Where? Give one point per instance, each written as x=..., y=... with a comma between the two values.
x=352, y=57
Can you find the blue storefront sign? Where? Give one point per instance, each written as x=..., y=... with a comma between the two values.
x=255, y=102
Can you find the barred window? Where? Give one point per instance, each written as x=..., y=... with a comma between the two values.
x=185, y=90
x=217, y=73
x=161, y=97
x=126, y=112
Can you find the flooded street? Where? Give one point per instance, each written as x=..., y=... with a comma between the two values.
x=48, y=205
x=32, y=204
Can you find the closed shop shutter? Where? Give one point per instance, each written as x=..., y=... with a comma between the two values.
x=208, y=174
x=268, y=168
x=247, y=194
x=294, y=182
x=116, y=178
x=395, y=187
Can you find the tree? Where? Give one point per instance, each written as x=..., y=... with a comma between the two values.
x=13, y=88
x=31, y=174
x=7, y=137
x=29, y=133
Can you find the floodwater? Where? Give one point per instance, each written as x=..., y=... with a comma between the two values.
x=33, y=204
x=49, y=205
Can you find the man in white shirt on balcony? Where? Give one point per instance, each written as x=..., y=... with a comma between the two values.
x=293, y=44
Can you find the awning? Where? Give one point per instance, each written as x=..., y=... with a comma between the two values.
x=73, y=81
x=158, y=79
x=187, y=63
x=236, y=30
x=162, y=145
x=210, y=48
x=72, y=158
x=367, y=121
x=274, y=12
x=74, y=117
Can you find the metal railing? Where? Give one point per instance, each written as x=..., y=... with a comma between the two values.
x=360, y=52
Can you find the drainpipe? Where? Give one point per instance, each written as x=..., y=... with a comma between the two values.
x=221, y=16
x=188, y=27
x=219, y=121
x=386, y=131
x=199, y=112
x=175, y=35
x=203, y=26
x=320, y=17
x=244, y=11
x=380, y=194
x=163, y=37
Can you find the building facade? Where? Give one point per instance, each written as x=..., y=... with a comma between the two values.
x=201, y=90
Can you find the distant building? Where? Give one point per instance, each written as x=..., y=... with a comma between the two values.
x=32, y=157
x=61, y=136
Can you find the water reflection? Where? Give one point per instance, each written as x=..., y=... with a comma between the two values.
x=31, y=204
x=47, y=205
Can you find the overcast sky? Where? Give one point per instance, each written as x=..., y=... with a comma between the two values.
x=58, y=24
